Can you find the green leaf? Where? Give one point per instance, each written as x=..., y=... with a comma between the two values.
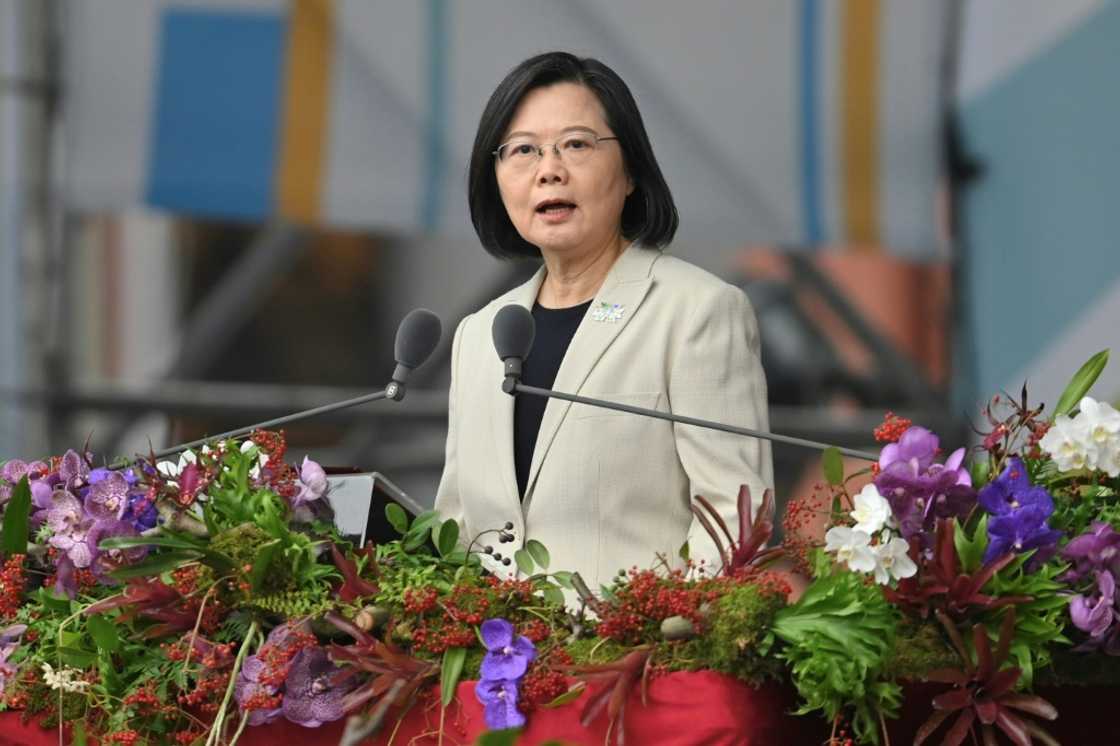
x=53, y=602
x=524, y=561
x=1080, y=384
x=564, y=578
x=452, y=669
x=77, y=657
x=262, y=562
x=155, y=564
x=553, y=595
x=537, y=551
x=980, y=471
x=683, y=552
x=447, y=537
x=16, y=516
x=397, y=518
x=157, y=540
x=78, y=734
x=104, y=633
x=424, y=521
x=971, y=551
x=504, y=737
x=833, y=465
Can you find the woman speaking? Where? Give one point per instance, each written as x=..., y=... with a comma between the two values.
x=562, y=169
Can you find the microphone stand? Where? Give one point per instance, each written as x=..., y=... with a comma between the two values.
x=395, y=391
x=513, y=386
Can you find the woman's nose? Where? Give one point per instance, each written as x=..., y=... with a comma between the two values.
x=551, y=169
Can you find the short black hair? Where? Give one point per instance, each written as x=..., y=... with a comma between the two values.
x=649, y=216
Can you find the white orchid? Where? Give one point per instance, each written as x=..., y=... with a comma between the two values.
x=852, y=548
x=872, y=511
x=893, y=561
x=1091, y=440
x=1066, y=442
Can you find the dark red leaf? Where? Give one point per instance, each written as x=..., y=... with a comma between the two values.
x=932, y=723
x=1014, y=727
x=1030, y=703
x=954, y=699
x=960, y=729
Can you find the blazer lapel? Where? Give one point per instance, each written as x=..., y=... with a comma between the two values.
x=501, y=403
x=626, y=285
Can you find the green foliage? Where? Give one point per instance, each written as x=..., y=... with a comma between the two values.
x=920, y=648
x=450, y=671
x=971, y=551
x=1080, y=384
x=833, y=466
x=13, y=539
x=1038, y=622
x=838, y=637
x=733, y=644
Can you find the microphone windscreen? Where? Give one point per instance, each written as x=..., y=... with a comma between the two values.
x=417, y=336
x=513, y=332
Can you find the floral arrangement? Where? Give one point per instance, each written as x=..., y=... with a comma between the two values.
x=184, y=602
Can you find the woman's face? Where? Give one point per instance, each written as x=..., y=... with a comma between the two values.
x=586, y=197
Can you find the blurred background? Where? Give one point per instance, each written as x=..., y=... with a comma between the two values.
x=214, y=212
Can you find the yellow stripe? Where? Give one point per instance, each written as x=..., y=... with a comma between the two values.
x=860, y=122
x=299, y=183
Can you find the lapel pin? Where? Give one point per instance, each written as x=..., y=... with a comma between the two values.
x=611, y=312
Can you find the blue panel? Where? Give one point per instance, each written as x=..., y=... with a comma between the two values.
x=217, y=113
x=1042, y=221
x=808, y=43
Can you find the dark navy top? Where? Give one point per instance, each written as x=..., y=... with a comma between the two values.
x=555, y=328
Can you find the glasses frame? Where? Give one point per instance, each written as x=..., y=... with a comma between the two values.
x=554, y=145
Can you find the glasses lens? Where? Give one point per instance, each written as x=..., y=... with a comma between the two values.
x=518, y=151
x=577, y=147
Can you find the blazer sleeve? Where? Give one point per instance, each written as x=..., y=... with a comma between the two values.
x=448, y=500
x=717, y=375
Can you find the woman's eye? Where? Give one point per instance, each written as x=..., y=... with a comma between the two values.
x=523, y=149
x=577, y=143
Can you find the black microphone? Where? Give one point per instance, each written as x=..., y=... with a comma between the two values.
x=417, y=337
x=514, y=330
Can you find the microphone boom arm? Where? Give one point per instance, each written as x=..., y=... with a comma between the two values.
x=518, y=387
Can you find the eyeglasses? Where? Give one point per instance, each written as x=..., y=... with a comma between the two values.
x=523, y=153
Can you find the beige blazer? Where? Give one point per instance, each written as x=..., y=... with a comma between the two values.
x=610, y=490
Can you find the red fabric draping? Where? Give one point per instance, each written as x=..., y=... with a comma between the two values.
x=685, y=709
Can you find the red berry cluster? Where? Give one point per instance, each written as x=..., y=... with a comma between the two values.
x=185, y=579
x=262, y=701
x=437, y=636
x=12, y=582
x=147, y=703
x=274, y=443
x=216, y=656
x=186, y=737
x=127, y=737
x=277, y=657
x=647, y=598
x=536, y=630
x=468, y=604
x=420, y=600
x=892, y=428
x=803, y=525
x=207, y=693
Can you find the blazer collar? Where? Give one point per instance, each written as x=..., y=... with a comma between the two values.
x=626, y=285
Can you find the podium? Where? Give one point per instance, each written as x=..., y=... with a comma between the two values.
x=358, y=500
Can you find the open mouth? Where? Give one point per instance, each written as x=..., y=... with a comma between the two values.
x=555, y=207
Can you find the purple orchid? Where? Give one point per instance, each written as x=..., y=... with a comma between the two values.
x=107, y=560
x=249, y=685
x=499, y=700
x=919, y=490
x=141, y=512
x=1094, y=614
x=311, y=697
x=1095, y=550
x=70, y=525
x=73, y=470
x=1019, y=512
x=507, y=658
x=15, y=470
x=509, y=655
x=108, y=497
x=9, y=642
x=313, y=483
